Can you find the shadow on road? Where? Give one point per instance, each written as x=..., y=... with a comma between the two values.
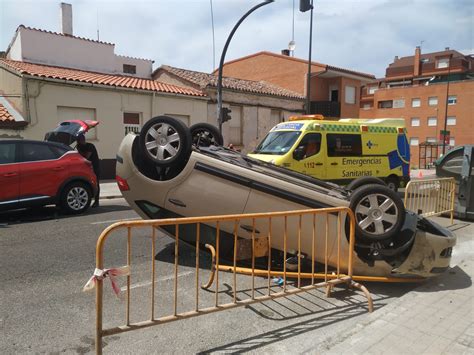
x=30, y=215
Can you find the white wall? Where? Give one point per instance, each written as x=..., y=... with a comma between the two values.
x=109, y=105
x=53, y=49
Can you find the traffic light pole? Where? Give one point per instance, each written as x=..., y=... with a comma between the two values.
x=221, y=63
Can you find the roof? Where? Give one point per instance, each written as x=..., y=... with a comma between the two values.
x=204, y=79
x=408, y=61
x=281, y=56
x=82, y=76
x=61, y=34
x=7, y=120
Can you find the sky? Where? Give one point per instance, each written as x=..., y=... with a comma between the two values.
x=361, y=35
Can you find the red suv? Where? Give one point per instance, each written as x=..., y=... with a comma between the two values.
x=35, y=173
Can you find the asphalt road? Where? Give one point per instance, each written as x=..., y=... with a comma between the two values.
x=46, y=259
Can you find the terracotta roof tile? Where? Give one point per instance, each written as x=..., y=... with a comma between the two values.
x=62, y=34
x=5, y=115
x=121, y=81
x=204, y=79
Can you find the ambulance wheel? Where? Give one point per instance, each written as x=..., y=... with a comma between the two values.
x=165, y=141
x=379, y=213
x=365, y=180
x=393, y=183
x=205, y=135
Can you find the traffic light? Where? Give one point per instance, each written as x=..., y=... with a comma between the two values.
x=226, y=114
x=306, y=5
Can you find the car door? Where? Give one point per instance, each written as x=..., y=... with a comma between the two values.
x=9, y=173
x=313, y=160
x=41, y=170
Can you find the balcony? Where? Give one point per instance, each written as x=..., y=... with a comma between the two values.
x=326, y=108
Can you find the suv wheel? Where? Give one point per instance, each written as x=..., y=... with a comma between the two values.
x=379, y=212
x=165, y=141
x=75, y=198
x=205, y=135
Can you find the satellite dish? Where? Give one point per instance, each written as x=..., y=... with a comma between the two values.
x=292, y=45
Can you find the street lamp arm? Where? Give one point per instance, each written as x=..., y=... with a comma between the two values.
x=221, y=63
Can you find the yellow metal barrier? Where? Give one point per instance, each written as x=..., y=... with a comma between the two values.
x=286, y=228
x=431, y=197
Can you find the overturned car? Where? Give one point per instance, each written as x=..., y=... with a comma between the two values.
x=169, y=171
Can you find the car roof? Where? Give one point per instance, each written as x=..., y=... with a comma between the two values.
x=59, y=145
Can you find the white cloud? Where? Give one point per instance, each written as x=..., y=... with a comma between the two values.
x=360, y=35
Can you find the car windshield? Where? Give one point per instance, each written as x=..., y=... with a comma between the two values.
x=278, y=142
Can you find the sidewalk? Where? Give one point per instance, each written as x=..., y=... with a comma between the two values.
x=109, y=189
x=435, y=318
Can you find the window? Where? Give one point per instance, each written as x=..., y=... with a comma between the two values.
x=350, y=93
x=415, y=122
x=131, y=121
x=367, y=106
x=129, y=69
x=442, y=63
x=414, y=141
x=311, y=144
x=372, y=89
x=432, y=121
x=451, y=121
x=433, y=101
x=452, y=100
x=431, y=139
x=37, y=152
x=235, y=125
x=400, y=103
x=344, y=145
x=452, y=141
x=7, y=153
x=415, y=102
x=386, y=104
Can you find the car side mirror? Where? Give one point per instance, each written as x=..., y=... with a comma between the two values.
x=298, y=153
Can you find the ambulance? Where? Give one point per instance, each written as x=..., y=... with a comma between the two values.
x=340, y=150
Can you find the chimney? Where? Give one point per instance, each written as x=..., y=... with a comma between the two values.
x=417, y=61
x=285, y=52
x=395, y=59
x=446, y=49
x=66, y=19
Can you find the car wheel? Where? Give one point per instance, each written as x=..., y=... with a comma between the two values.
x=165, y=141
x=205, y=135
x=393, y=183
x=75, y=198
x=379, y=212
x=365, y=180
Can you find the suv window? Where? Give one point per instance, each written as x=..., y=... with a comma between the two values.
x=344, y=145
x=7, y=153
x=37, y=152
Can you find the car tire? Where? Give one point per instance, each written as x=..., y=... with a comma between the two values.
x=204, y=135
x=165, y=141
x=365, y=180
x=75, y=198
x=393, y=183
x=379, y=213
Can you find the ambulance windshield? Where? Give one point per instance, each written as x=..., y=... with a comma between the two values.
x=277, y=142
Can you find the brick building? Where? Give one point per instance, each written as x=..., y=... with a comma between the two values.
x=428, y=91
x=335, y=92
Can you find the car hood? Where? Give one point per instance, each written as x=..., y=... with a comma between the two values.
x=67, y=131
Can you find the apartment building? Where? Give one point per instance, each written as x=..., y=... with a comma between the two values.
x=434, y=93
x=334, y=91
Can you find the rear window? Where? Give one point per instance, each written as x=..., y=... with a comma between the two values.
x=38, y=152
x=344, y=145
x=7, y=153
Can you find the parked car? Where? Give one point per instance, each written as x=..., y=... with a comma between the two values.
x=37, y=173
x=162, y=174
